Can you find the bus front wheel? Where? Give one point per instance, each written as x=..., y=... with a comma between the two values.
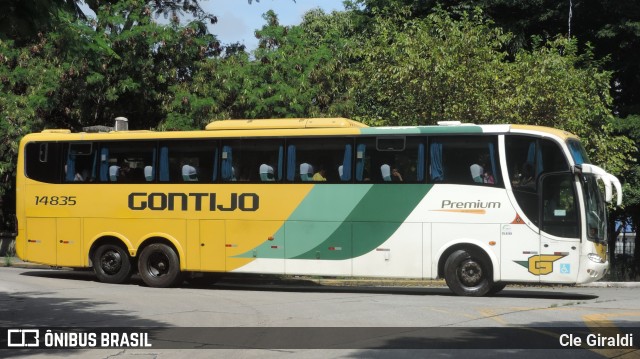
x=467, y=274
x=159, y=266
x=112, y=264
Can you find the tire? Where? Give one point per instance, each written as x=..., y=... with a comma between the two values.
x=467, y=274
x=496, y=288
x=112, y=264
x=159, y=266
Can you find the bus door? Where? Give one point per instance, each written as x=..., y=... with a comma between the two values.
x=559, y=229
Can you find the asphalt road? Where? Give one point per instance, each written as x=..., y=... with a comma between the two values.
x=265, y=309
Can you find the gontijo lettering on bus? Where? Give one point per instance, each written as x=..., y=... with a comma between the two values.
x=178, y=201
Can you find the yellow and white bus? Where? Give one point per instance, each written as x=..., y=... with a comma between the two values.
x=478, y=205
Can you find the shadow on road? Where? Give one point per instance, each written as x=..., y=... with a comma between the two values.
x=303, y=284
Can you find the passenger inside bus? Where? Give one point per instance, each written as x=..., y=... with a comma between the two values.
x=320, y=176
x=395, y=175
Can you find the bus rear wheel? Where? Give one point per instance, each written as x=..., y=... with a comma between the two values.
x=112, y=264
x=159, y=266
x=467, y=274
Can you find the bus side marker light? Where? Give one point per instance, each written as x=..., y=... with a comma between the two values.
x=492, y=243
x=270, y=238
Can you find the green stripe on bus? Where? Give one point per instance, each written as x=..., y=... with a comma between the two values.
x=376, y=217
x=319, y=216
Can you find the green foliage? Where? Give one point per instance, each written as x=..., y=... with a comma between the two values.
x=28, y=77
x=422, y=70
x=298, y=71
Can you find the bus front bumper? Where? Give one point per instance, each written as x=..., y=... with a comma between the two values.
x=593, y=270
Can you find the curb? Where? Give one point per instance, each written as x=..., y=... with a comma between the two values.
x=611, y=285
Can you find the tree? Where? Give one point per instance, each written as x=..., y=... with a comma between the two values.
x=86, y=72
x=298, y=71
x=610, y=27
x=27, y=80
x=23, y=20
x=421, y=70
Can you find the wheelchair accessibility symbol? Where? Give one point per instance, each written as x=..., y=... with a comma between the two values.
x=565, y=268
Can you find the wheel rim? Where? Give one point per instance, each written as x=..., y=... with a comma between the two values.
x=158, y=264
x=111, y=262
x=470, y=273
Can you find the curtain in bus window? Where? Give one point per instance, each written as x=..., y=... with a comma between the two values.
x=346, y=163
x=153, y=164
x=104, y=164
x=215, y=165
x=576, y=152
x=291, y=163
x=493, y=162
x=70, y=167
x=437, y=173
x=227, y=164
x=280, y=161
x=164, y=164
x=420, y=167
x=360, y=150
x=94, y=165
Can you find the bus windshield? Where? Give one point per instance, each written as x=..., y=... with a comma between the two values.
x=595, y=209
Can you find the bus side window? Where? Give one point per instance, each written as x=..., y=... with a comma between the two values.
x=390, y=159
x=467, y=160
x=124, y=162
x=319, y=160
x=79, y=162
x=530, y=157
x=187, y=161
x=43, y=162
x=252, y=160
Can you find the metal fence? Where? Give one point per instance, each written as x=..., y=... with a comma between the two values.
x=625, y=244
x=624, y=266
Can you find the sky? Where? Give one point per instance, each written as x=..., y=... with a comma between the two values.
x=237, y=19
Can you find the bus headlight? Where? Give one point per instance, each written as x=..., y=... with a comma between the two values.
x=596, y=258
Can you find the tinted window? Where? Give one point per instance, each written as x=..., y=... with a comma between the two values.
x=42, y=161
x=471, y=160
x=382, y=160
x=252, y=160
x=529, y=157
x=80, y=160
x=187, y=161
x=319, y=160
x=560, y=214
x=126, y=162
